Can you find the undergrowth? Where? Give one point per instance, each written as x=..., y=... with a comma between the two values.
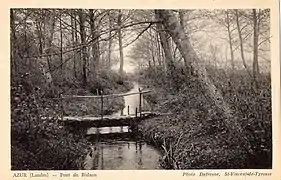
x=39, y=141
x=108, y=83
x=195, y=136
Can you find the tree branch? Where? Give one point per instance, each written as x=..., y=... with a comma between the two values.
x=93, y=39
x=139, y=35
x=267, y=39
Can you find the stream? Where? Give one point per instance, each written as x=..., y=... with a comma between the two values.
x=117, y=148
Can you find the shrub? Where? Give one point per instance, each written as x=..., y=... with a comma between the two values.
x=38, y=141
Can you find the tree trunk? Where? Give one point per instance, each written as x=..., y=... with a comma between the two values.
x=95, y=46
x=74, y=40
x=39, y=35
x=119, y=23
x=151, y=42
x=44, y=62
x=159, y=51
x=61, y=43
x=149, y=64
x=83, y=48
x=13, y=42
x=241, y=41
x=181, y=17
x=210, y=91
x=26, y=41
x=230, y=40
x=108, y=62
x=26, y=49
x=166, y=45
x=255, y=52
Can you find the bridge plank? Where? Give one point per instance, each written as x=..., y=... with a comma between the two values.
x=95, y=118
x=106, y=121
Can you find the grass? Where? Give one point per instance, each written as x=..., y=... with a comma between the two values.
x=195, y=137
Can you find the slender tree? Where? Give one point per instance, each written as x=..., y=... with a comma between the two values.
x=241, y=41
x=74, y=39
x=159, y=51
x=108, y=62
x=121, y=56
x=44, y=62
x=95, y=46
x=166, y=46
x=82, y=20
x=13, y=42
x=255, y=44
x=61, y=45
x=228, y=26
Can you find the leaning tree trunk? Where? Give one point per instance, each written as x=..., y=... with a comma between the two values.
x=210, y=91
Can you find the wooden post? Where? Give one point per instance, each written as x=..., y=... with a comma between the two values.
x=140, y=102
x=97, y=136
x=121, y=113
x=128, y=110
x=101, y=105
x=136, y=112
x=102, y=166
x=61, y=106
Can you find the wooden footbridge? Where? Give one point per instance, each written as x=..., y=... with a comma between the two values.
x=108, y=120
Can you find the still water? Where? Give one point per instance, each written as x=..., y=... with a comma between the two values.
x=121, y=153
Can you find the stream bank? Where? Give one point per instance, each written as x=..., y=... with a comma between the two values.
x=194, y=136
x=121, y=148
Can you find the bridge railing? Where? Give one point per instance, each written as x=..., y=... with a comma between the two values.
x=102, y=96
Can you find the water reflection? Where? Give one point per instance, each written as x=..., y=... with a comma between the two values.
x=107, y=130
x=123, y=155
x=131, y=103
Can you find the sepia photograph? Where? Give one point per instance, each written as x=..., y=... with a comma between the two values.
x=140, y=89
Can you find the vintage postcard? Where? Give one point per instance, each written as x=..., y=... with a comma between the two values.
x=142, y=90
